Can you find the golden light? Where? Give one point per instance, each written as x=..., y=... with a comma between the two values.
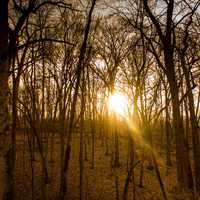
x=118, y=103
x=100, y=64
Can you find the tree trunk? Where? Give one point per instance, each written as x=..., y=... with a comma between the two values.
x=167, y=130
x=79, y=70
x=194, y=126
x=116, y=162
x=184, y=174
x=5, y=146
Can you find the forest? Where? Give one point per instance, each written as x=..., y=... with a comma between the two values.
x=100, y=99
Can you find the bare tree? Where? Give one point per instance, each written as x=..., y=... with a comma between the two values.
x=4, y=90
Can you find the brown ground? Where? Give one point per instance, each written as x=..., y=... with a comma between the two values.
x=99, y=183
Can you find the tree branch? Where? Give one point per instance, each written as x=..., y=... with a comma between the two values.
x=43, y=40
x=154, y=20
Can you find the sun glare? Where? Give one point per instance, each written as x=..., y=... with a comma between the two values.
x=118, y=103
x=100, y=64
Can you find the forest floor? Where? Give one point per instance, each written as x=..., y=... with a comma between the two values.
x=100, y=183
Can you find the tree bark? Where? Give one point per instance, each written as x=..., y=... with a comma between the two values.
x=5, y=147
x=184, y=174
x=167, y=130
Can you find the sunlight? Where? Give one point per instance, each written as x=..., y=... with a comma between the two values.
x=100, y=64
x=118, y=103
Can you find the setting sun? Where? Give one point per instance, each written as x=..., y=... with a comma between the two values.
x=118, y=103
